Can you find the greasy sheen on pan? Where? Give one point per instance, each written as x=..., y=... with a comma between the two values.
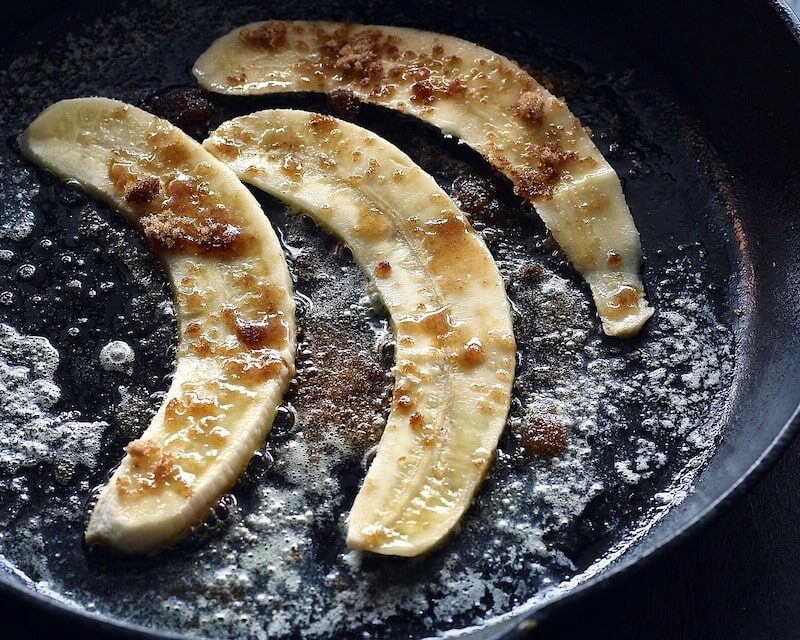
x=482, y=98
x=455, y=348
x=233, y=296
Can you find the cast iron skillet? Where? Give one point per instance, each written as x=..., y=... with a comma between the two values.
x=738, y=71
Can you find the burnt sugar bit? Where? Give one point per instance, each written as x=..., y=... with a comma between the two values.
x=188, y=108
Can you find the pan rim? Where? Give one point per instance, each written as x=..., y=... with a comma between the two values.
x=525, y=622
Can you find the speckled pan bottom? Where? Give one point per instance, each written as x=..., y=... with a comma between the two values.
x=641, y=415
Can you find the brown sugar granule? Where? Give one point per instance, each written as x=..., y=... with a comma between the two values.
x=167, y=231
x=143, y=191
x=530, y=107
x=544, y=432
x=320, y=123
x=358, y=57
x=270, y=35
x=383, y=269
x=343, y=390
x=344, y=104
x=531, y=271
x=416, y=421
x=540, y=181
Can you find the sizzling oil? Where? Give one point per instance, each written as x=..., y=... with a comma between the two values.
x=86, y=350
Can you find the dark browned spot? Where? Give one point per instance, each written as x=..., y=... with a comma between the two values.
x=403, y=401
x=416, y=421
x=187, y=407
x=193, y=329
x=141, y=451
x=236, y=79
x=437, y=324
x=151, y=470
x=270, y=333
x=448, y=227
x=227, y=149
x=292, y=167
x=372, y=223
x=614, y=259
x=254, y=366
x=623, y=302
x=142, y=191
x=472, y=353
x=383, y=269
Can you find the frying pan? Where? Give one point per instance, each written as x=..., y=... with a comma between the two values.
x=734, y=73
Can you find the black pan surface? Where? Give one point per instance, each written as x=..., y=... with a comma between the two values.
x=661, y=427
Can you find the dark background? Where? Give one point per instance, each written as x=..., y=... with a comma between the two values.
x=737, y=578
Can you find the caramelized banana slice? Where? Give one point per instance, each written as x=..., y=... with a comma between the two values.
x=482, y=98
x=445, y=296
x=234, y=301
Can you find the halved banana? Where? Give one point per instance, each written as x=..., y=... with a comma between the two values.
x=234, y=301
x=477, y=95
x=453, y=328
